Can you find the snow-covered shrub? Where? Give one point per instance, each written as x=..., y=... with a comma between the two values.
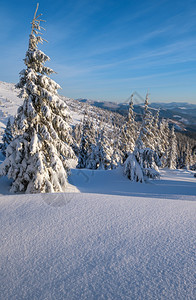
x=132, y=169
x=149, y=162
x=142, y=164
x=193, y=167
x=7, y=137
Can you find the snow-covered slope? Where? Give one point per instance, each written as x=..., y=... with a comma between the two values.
x=9, y=103
x=98, y=246
x=9, y=100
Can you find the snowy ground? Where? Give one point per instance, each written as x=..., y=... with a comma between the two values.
x=174, y=184
x=114, y=240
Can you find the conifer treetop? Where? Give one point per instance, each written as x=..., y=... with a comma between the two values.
x=35, y=58
x=146, y=102
x=35, y=29
x=131, y=114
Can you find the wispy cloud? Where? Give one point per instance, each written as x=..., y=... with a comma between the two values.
x=175, y=53
x=136, y=41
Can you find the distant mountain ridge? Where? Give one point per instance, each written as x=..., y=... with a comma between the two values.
x=181, y=114
x=157, y=105
x=173, y=105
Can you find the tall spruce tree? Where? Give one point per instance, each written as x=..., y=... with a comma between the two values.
x=132, y=126
x=129, y=133
x=38, y=158
x=87, y=144
x=144, y=161
x=116, y=157
x=156, y=133
x=164, y=142
x=103, y=151
x=146, y=138
x=188, y=159
x=124, y=145
x=172, y=150
x=76, y=134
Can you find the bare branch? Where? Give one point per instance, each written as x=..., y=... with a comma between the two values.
x=38, y=16
x=36, y=11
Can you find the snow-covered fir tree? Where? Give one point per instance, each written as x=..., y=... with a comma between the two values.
x=103, y=151
x=186, y=151
x=172, y=150
x=149, y=162
x=132, y=126
x=164, y=142
x=132, y=169
x=129, y=133
x=144, y=161
x=38, y=158
x=188, y=159
x=157, y=134
x=7, y=136
x=142, y=164
x=117, y=156
x=125, y=145
x=77, y=134
x=146, y=138
x=131, y=113
x=87, y=144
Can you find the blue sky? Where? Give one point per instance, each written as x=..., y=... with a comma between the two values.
x=108, y=49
